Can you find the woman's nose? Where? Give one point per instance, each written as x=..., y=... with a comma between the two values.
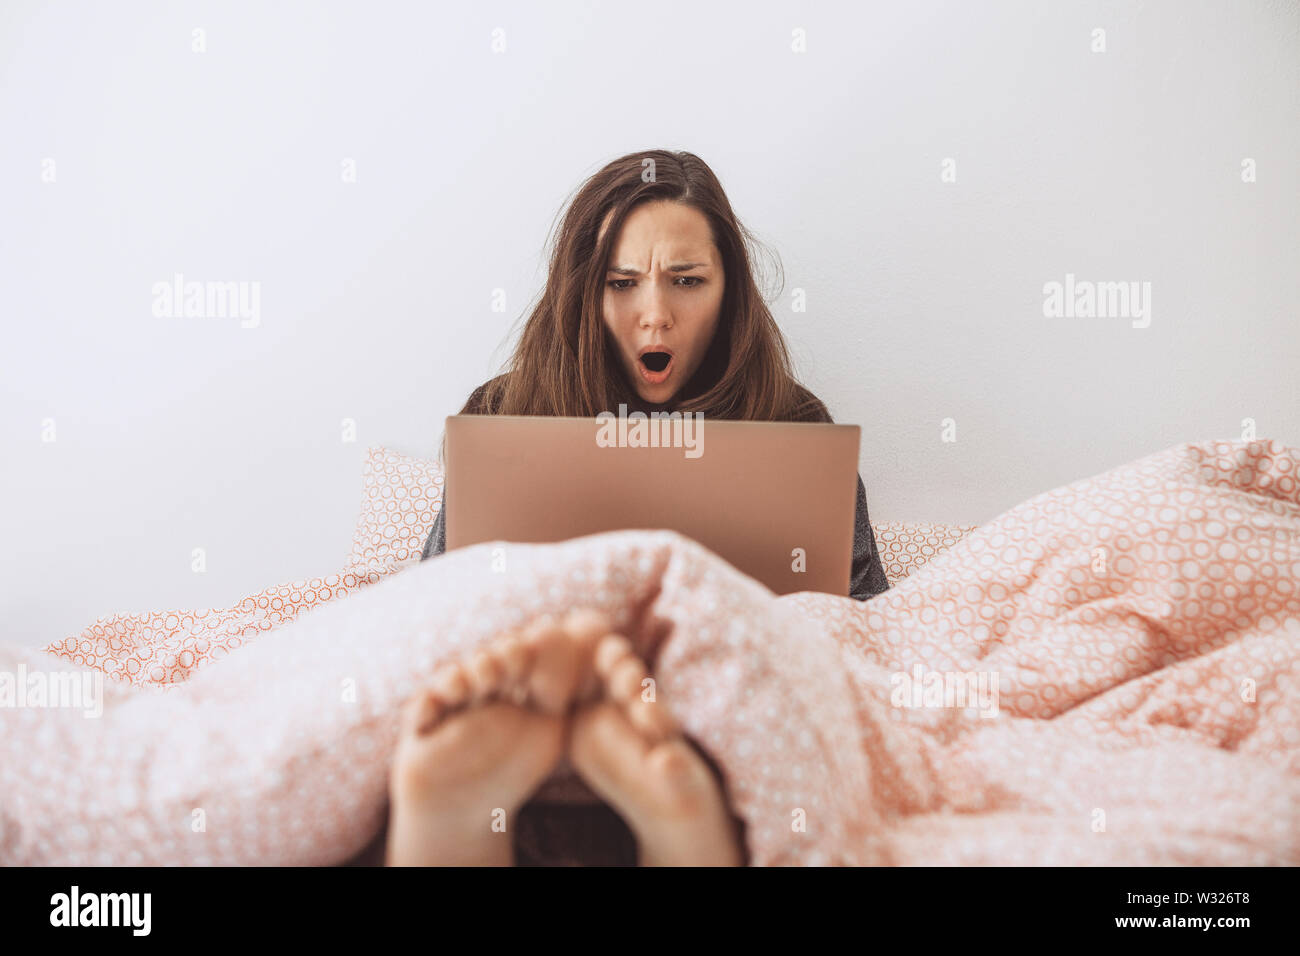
x=655, y=313
x=656, y=320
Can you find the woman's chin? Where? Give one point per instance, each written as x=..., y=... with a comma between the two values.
x=655, y=394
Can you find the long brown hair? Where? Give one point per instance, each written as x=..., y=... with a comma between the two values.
x=564, y=362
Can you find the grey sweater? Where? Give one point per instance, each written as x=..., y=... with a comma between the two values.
x=866, y=579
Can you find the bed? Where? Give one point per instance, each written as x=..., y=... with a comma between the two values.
x=1108, y=673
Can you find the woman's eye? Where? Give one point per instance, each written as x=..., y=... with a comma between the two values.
x=694, y=281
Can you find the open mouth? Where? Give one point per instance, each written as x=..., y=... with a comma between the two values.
x=655, y=364
x=656, y=361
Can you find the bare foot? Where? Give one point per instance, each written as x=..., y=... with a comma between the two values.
x=477, y=743
x=630, y=751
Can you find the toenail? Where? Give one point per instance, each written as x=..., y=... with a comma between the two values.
x=612, y=649
x=625, y=680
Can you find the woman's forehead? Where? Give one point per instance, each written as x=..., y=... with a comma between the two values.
x=676, y=231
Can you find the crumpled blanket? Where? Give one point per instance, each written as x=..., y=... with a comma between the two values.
x=1108, y=673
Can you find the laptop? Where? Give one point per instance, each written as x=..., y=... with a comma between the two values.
x=774, y=499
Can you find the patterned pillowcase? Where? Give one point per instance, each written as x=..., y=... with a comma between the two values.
x=400, y=500
x=906, y=547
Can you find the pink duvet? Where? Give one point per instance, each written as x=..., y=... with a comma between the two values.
x=1106, y=673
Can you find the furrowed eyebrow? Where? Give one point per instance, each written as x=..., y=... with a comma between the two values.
x=675, y=267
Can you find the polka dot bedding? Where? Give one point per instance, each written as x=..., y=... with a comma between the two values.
x=1108, y=673
x=401, y=499
x=907, y=547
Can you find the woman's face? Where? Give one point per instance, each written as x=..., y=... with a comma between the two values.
x=663, y=295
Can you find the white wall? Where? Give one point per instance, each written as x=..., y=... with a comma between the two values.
x=925, y=298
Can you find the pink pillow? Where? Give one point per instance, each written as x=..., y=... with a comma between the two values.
x=400, y=500
x=906, y=547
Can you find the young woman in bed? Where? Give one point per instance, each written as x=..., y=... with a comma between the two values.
x=650, y=302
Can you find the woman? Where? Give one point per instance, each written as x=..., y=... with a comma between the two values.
x=650, y=302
